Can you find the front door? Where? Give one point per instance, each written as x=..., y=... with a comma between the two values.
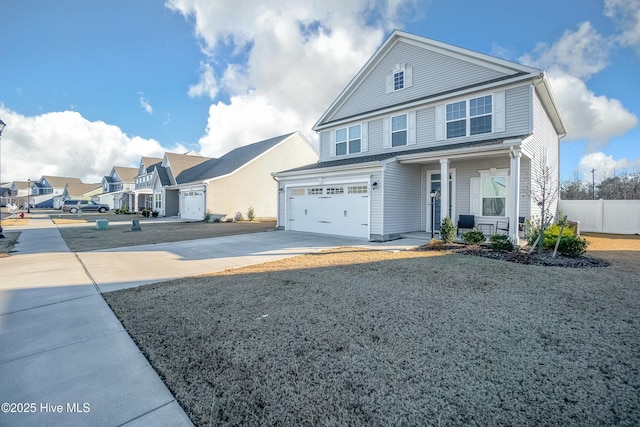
x=434, y=213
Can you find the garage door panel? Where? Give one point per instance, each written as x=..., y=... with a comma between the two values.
x=336, y=209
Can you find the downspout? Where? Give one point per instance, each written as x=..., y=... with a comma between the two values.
x=278, y=204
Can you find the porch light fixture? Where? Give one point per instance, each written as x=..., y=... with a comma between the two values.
x=2, y=125
x=374, y=186
x=435, y=195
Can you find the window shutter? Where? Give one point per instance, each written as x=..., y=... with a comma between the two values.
x=365, y=137
x=475, y=197
x=408, y=77
x=440, y=123
x=411, y=118
x=390, y=83
x=386, y=132
x=332, y=143
x=498, y=112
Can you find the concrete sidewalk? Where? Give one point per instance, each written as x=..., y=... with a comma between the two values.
x=61, y=345
x=65, y=359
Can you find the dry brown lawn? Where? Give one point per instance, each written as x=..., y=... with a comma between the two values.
x=88, y=238
x=359, y=337
x=9, y=241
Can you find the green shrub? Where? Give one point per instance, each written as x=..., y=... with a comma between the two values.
x=155, y=214
x=251, y=214
x=447, y=230
x=238, y=216
x=500, y=243
x=550, y=235
x=572, y=246
x=473, y=237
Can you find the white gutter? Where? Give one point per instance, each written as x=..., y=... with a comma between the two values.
x=353, y=167
x=482, y=150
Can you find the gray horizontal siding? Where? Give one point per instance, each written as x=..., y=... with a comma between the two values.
x=375, y=221
x=518, y=106
x=433, y=73
x=402, y=198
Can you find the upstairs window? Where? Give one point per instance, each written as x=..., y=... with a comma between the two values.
x=348, y=140
x=480, y=115
x=399, y=130
x=457, y=119
x=472, y=117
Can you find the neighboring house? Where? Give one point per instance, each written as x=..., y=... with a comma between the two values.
x=143, y=188
x=80, y=191
x=47, y=191
x=162, y=176
x=118, y=188
x=418, y=113
x=235, y=182
x=18, y=192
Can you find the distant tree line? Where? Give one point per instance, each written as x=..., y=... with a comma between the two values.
x=624, y=186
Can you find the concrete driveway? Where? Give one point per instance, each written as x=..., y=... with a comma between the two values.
x=66, y=360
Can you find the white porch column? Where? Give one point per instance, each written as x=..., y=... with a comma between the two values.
x=514, y=204
x=444, y=188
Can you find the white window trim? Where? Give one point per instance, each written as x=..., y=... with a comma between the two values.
x=364, y=139
x=407, y=77
x=476, y=195
x=411, y=130
x=498, y=123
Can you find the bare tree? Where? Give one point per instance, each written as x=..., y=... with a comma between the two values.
x=544, y=192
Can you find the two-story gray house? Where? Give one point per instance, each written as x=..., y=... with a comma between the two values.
x=421, y=119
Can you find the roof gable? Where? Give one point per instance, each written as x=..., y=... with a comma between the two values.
x=231, y=161
x=125, y=174
x=437, y=69
x=58, y=181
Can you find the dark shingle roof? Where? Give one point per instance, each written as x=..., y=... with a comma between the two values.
x=230, y=162
x=389, y=155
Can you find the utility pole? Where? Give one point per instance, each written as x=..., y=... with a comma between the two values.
x=593, y=182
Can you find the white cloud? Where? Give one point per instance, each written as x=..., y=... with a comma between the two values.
x=290, y=59
x=572, y=59
x=605, y=166
x=207, y=84
x=67, y=144
x=581, y=53
x=595, y=118
x=626, y=14
x=144, y=103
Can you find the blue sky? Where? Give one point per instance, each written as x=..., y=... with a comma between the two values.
x=88, y=85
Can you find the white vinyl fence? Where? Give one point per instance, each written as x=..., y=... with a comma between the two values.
x=604, y=216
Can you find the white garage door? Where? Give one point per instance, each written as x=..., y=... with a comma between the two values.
x=330, y=209
x=192, y=204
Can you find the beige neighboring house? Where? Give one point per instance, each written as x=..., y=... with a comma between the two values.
x=81, y=191
x=232, y=183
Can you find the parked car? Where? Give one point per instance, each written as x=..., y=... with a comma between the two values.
x=85, y=205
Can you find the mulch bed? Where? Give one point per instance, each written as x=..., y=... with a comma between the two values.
x=521, y=257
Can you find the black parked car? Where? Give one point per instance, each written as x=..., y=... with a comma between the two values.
x=85, y=205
